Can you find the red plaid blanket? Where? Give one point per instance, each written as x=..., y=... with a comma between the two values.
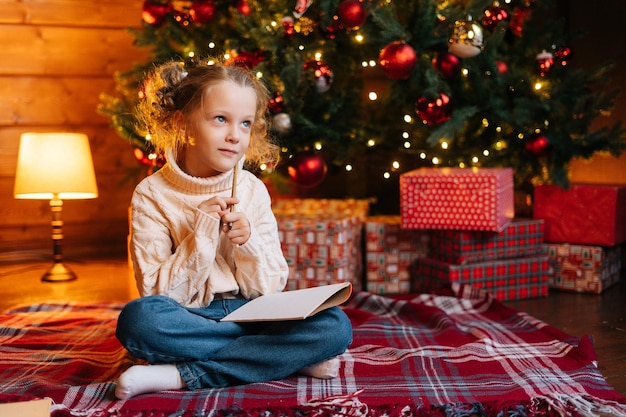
x=462, y=354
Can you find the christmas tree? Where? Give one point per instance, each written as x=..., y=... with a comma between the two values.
x=394, y=84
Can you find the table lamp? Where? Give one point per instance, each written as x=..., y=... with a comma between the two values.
x=55, y=167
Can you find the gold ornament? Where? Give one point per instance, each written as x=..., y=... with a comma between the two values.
x=467, y=39
x=304, y=25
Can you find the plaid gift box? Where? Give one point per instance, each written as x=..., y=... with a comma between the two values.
x=390, y=251
x=321, y=240
x=509, y=279
x=457, y=198
x=521, y=237
x=590, y=269
x=585, y=214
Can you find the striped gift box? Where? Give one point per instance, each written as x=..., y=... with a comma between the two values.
x=508, y=279
x=521, y=237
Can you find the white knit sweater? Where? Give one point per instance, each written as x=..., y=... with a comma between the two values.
x=178, y=250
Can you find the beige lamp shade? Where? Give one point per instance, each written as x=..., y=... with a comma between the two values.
x=55, y=165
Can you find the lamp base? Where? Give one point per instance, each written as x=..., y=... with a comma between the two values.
x=58, y=273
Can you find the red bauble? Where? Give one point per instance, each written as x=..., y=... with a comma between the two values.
x=151, y=160
x=434, y=112
x=538, y=145
x=563, y=55
x=155, y=13
x=307, y=169
x=288, y=26
x=545, y=61
x=447, y=64
x=247, y=59
x=351, y=14
x=502, y=67
x=494, y=15
x=520, y=15
x=398, y=60
x=244, y=8
x=322, y=73
x=202, y=12
x=276, y=104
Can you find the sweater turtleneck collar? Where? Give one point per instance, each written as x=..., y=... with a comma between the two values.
x=196, y=185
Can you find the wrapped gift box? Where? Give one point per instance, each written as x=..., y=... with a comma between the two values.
x=590, y=269
x=585, y=214
x=509, y=279
x=521, y=237
x=321, y=240
x=390, y=251
x=457, y=198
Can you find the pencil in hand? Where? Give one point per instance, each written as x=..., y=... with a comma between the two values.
x=234, y=192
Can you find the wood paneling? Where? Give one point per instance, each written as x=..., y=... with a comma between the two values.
x=120, y=14
x=58, y=58
x=53, y=50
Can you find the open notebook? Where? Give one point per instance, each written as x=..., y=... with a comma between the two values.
x=292, y=305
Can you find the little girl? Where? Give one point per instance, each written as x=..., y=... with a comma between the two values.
x=196, y=259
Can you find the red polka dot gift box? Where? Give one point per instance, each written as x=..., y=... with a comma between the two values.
x=457, y=198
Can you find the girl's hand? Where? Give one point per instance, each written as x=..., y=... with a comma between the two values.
x=236, y=226
x=216, y=205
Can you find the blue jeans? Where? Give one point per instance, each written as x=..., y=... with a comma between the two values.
x=210, y=354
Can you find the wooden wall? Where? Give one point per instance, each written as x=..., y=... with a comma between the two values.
x=57, y=57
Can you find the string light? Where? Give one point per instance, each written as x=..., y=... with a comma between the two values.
x=395, y=165
x=348, y=167
x=408, y=118
x=371, y=142
x=435, y=160
x=407, y=144
x=386, y=175
x=372, y=96
x=318, y=146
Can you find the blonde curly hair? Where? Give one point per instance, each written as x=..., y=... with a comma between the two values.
x=172, y=90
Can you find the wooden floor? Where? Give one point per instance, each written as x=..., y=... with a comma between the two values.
x=603, y=317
